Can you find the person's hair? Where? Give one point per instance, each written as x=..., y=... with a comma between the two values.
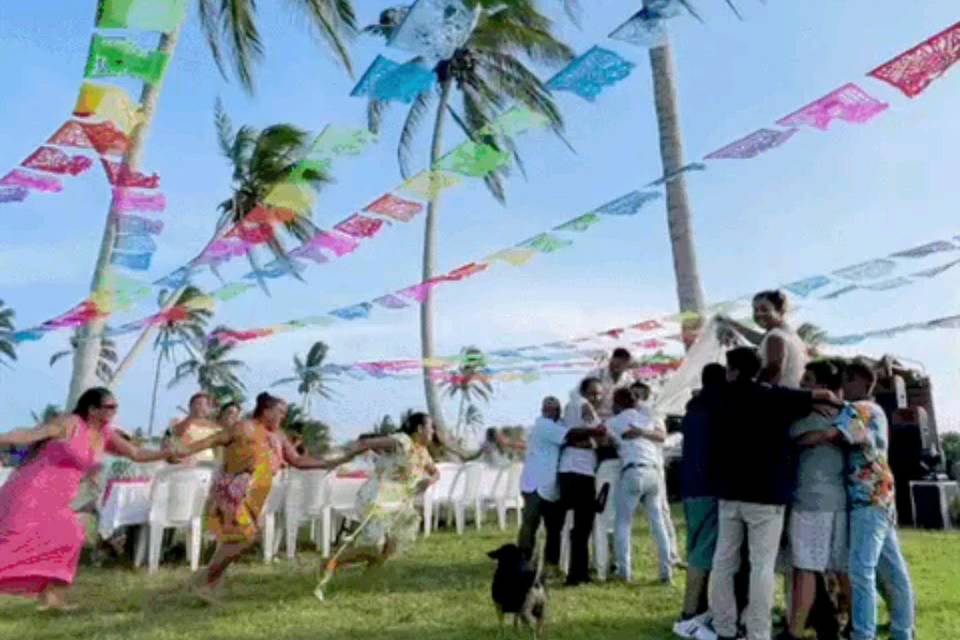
x=197, y=396
x=745, y=361
x=775, y=297
x=491, y=434
x=713, y=375
x=859, y=369
x=414, y=422
x=586, y=382
x=223, y=409
x=643, y=386
x=826, y=373
x=624, y=398
x=621, y=354
x=265, y=402
x=92, y=398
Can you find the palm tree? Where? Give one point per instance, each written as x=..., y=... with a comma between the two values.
x=385, y=426
x=470, y=384
x=185, y=334
x=106, y=359
x=259, y=160
x=214, y=370
x=315, y=433
x=473, y=418
x=7, y=345
x=486, y=72
x=812, y=337
x=309, y=376
x=231, y=31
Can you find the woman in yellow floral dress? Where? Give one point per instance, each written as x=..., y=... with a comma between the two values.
x=241, y=488
x=389, y=518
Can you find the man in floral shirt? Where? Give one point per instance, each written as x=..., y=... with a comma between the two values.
x=874, y=547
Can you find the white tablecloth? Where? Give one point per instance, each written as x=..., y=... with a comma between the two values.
x=127, y=503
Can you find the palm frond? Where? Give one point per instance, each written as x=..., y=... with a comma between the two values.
x=410, y=127
x=335, y=21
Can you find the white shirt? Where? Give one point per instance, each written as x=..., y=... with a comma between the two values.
x=609, y=386
x=575, y=459
x=639, y=451
x=794, y=356
x=543, y=457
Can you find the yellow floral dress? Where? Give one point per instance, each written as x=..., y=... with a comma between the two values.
x=388, y=496
x=241, y=488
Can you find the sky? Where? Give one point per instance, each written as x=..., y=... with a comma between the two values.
x=823, y=201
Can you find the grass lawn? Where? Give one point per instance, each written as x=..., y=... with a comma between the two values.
x=440, y=590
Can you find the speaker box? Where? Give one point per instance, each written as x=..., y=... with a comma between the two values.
x=931, y=503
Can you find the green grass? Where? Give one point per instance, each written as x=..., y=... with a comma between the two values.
x=439, y=590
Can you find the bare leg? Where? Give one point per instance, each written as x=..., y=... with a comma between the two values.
x=804, y=592
x=209, y=579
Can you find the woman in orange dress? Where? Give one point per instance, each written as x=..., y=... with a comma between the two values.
x=241, y=488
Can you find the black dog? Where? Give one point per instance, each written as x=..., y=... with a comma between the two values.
x=518, y=590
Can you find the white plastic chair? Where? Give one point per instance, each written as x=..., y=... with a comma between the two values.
x=493, y=484
x=177, y=500
x=343, y=501
x=274, y=503
x=471, y=476
x=306, y=498
x=5, y=473
x=440, y=494
x=509, y=497
x=607, y=473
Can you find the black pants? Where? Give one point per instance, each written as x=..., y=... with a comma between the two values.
x=579, y=493
x=535, y=508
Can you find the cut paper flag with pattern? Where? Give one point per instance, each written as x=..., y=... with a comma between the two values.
x=420, y=292
x=317, y=247
x=591, y=73
x=404, y=83
x=120, y=57
x=355, y=312
x=359, y=226
x=644, y=29
x=849, y=103
x=335, y=141
x=674, y=175
x=379, y=68
x=912, y=71
x=580, y=223
x=105, y=138
x=516, y=256
x=886, y=285
x=751, y=146
x=132, y=261
x=31, y=181
x=135, y=243
x=231, y=291
x=145, y=15
x=71, y=134
x=429, y=184
x=13, y=194
x=546, y=243
x=474, y=159
x=394, y=207
x=939, y=246
x=629, y=204
x=108, y=102
x=435, y=29
x=290, y=195
x=804, y=288
x=276, y=269
x=516, y=120
x=839, y=293
x=125, y=200
x=935, y=271
x=53, y=160
x=80, y=315
x=870, y=270
x=466, y=271
x=391, y=301
x=122, y=176
x=118, y=292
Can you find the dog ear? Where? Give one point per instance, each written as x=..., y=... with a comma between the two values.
x=495, y=554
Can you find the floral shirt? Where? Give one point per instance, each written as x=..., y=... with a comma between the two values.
x=869, y=481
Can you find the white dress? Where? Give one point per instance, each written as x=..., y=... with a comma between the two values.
x=794, y=357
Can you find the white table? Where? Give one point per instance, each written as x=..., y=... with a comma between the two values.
x=126, y=503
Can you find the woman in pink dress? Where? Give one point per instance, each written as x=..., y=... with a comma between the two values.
x=40, y=535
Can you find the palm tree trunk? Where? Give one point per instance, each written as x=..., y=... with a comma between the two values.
x=88, y=341
x=427, y=349
x=463, y=400
x=679, y=217
x=153, y=399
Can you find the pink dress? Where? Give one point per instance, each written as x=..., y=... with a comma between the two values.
x=40, y=535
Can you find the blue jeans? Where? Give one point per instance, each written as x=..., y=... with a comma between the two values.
x=639, y=484
x=874, y=549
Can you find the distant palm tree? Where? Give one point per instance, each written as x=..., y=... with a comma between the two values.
x=473, y=418
x=309, y=376
x=812, y=337
x=174, y=335
x=7, y=345
x=214, y=370
x=385, y=426
x=231, y=31
x=487, y=74
x=471, y=384
x=105, y=362
x=315, y=433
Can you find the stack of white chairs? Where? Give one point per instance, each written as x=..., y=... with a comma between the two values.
x=307, y=499
x=509, y=495
x=343, y=503
x=442, y=494
x=177, y=500
x=271, y=508
x=471, y=476
x=492, y=489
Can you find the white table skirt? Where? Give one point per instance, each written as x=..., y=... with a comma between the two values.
x=127, y=504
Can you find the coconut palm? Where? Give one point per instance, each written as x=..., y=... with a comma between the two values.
x=106, y=359
x=470, y=384
x=812, y=337
x=309, y=377
x=385, y=426
x=485, y=73
x=231, y=31
x=7, y=345
x=473, y=418
x=182, y=334
x=315, y=433
x=213, y=369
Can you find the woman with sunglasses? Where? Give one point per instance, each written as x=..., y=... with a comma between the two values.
x=40, y=535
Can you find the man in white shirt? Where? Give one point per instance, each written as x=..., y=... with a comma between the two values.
x=638, y=438
x=538, y=483
x=616, y=375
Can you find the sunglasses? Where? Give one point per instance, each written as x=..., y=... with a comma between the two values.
x=109, y=407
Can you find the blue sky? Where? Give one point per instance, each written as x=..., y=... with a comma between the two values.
x=823, y=201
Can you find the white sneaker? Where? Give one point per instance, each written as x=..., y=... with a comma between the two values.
x=688, y=628
x=704, y=633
